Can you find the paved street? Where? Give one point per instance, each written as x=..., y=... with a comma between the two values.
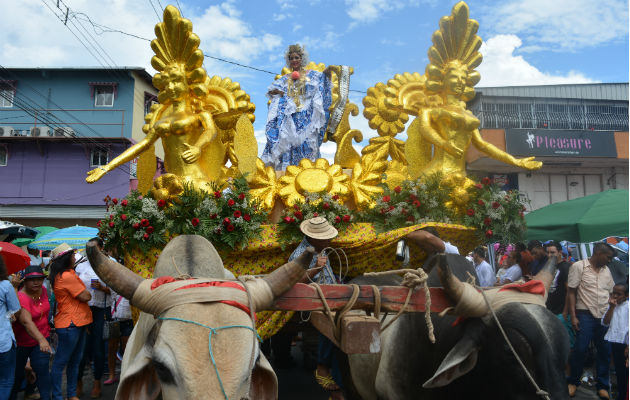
x=295, y=383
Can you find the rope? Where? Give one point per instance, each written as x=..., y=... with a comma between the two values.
x=412, y=279
x=539, y=391
x=213, y=331
x=252, y=316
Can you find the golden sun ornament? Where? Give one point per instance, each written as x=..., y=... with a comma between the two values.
x=309, y=177
x=384, y=119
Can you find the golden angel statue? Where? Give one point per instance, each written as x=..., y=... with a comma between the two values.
x=202, y=121
x=444, y=129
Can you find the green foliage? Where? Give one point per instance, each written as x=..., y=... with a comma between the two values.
x=229, y=218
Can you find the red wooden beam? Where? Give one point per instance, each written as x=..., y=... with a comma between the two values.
x=302, y=297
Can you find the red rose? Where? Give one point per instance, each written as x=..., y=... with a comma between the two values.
x=218, y=231
x=495, y=204
x=230, y=228
x=115, y=200
x=315, y=214
x=412, y=197
x=111, y=216
x=98, y=224
x=470, y=212
x=486, y=181
x=391, y=208
x=479, y=186
x=226, y=221
x=161, y=203
x=247, y=218
x=296, y=207
x=111, y=224
x=145, y=236
x=194, y=221
x=241, y=196
x=480, y=202
x=144, y=222
x=335, y=197
x=397, y=189
x=136, y=226
x=217, y=195
x=123, y=217
x=489, y=233
x=337, y=219
x=231, y=202
x=416, y=203
x=325, y=206
x=237, y=214
x=487, y=221
x=386, y=199
x=150, y=229
x=213, y=216
x=346, y=218
x=124, y=203
x=410, y=218
x=298, y=214
x=287, y=219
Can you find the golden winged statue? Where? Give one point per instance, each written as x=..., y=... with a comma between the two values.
x=202, y=121
x=443, y=129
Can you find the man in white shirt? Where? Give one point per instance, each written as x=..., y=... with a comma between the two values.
x=428, y=239
x=484, y=270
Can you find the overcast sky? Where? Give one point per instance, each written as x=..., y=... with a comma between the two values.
x=526, y=42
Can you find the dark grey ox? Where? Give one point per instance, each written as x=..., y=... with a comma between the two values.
x=167, y=356
x=470, y=359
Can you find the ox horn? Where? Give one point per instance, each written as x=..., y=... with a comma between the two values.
x=273, y=285
x=115, y=275
x=547, y=273
x=468, y=301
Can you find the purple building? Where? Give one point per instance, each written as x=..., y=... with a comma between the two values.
x=56, y=124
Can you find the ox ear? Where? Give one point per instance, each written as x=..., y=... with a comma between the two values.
x=140, y=380
x=264, y=383
x=460, y=360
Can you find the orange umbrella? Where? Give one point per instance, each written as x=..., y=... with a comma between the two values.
x=15, y=258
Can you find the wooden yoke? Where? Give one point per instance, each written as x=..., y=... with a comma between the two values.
x=360, y=334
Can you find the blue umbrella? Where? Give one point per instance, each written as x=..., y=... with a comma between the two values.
x=75, y=236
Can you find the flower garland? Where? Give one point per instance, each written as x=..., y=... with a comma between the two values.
x=497, y=214
x=323, y=205
x=228, y=219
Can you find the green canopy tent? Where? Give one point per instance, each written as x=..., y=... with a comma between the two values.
x=42, y=231
x=587, y=219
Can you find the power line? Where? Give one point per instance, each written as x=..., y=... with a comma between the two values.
x=107, y=29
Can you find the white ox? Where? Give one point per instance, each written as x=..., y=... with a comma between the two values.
x=168, y=355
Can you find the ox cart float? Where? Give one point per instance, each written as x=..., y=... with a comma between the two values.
x=358, y=334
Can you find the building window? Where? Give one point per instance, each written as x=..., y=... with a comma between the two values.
x=104, y=93
x=149, y=100
x=4, y=155
x=104, y=96
x=99, y=158
x=7, y=93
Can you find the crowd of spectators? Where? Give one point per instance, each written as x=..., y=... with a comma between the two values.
x=54, y=313
x=589, y=297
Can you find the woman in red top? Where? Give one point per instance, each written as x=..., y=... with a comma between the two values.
x=73, y=315
x=32, y=331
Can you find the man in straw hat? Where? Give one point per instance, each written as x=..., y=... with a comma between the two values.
x=319, y=233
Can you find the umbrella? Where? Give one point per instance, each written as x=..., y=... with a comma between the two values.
x=42, y=231
x=11, y=230
x=75, y=236
x=583, y=220
x=15, y=258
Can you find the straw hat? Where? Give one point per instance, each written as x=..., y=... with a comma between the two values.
x=318, y=228
x=60, y=250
